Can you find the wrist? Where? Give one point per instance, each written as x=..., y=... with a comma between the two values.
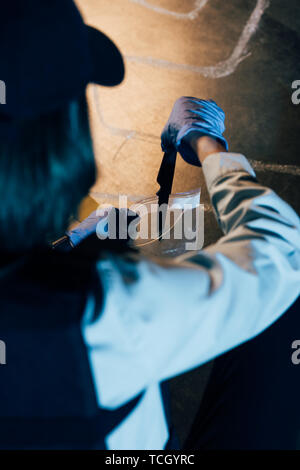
x=204, y=146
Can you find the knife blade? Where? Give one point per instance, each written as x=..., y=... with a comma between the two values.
x=165, y=180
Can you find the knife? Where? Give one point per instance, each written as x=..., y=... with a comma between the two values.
x=165, y=180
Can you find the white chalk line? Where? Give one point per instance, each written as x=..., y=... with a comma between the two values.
x=224, y=68
x=191, y=15
x=292, y=170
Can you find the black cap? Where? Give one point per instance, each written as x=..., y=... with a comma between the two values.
x=48, y=56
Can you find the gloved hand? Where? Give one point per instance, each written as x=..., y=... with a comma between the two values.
x=192, y=115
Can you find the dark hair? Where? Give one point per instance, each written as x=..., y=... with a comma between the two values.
x=45, y=172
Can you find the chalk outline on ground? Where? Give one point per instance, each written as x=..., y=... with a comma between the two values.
x=222, y=69
x=219, y=70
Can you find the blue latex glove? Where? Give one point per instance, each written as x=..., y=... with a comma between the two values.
x=190, y=115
